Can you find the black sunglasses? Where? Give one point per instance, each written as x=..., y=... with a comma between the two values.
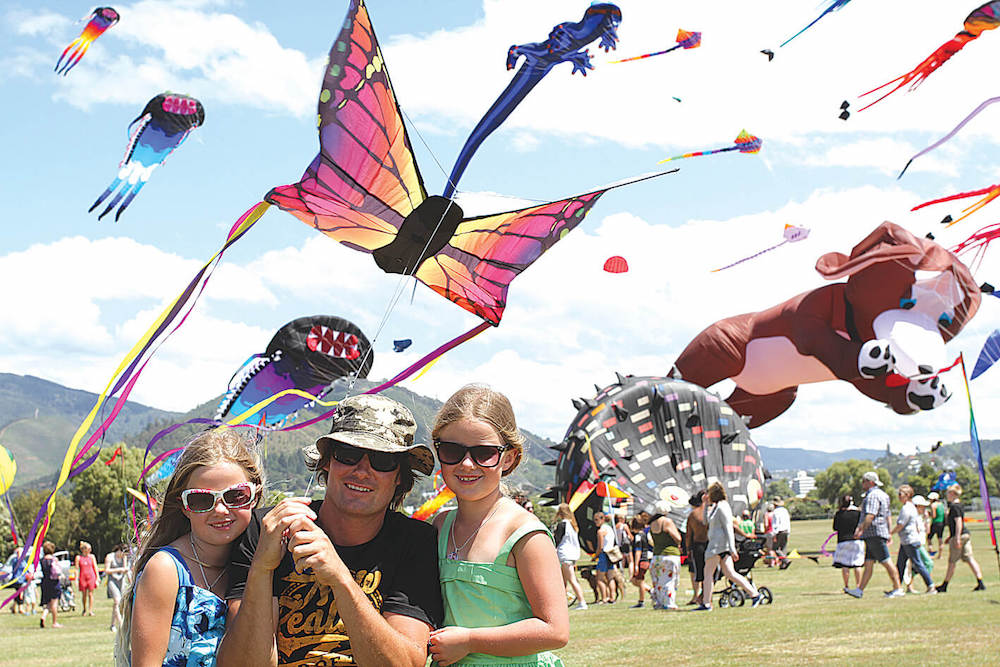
x=350, y=455
x=452, y=453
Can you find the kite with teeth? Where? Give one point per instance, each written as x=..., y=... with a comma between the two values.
x=308, y=354
x=656, y=439
x=162, y=126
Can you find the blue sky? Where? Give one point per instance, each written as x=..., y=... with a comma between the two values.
x=80, y=292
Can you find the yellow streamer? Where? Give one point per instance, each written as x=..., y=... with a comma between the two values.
x=248, y=221
x=426, y=368
x=239, y=419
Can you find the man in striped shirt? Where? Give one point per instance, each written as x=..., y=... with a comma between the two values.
x=874, y=529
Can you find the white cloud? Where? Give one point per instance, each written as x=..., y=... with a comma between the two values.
x=886, y=154
x=186, y=47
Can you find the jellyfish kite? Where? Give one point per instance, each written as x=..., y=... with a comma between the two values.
x=685, y=40
x=744, y=143
x=655, y=439
x=162, y=126
x=101, y=19
x=308, y=354
x=986, y=17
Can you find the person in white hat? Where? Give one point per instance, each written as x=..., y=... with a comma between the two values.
x=937, y=512
x=874, y=530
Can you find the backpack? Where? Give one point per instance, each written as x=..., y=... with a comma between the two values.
x=54, y=571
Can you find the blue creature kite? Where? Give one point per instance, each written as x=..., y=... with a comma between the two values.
x=161, y=127
x=566, y=43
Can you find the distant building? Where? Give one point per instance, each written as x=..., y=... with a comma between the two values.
x=802, y=484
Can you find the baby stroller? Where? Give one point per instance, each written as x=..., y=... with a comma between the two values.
x=66, y=600
x=750, y=550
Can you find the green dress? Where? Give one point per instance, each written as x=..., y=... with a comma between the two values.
x=486, y=595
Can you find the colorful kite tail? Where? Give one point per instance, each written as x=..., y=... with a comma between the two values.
x=991, y=192
x=74, y=58
x=924, y=69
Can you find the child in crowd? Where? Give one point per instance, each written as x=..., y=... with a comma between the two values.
x=504, y=600
x=174, y=612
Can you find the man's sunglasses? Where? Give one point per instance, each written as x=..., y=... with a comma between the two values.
x=351, y=456
x=237, y=497
x=452, y=453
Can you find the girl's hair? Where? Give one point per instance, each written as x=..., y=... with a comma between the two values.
x=716, y=492
x=637, y=523
x=954, y=488
x=846, y=500
x=48, y=547
x=564, y=512
x=480, y=402
x=220, y=445
x=905, y=489
x=86, y=545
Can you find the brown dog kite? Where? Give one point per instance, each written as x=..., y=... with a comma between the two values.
x=904, y=298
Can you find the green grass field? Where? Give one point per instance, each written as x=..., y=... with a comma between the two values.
x=811, y=622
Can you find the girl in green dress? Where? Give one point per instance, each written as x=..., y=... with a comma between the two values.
x=504, y=603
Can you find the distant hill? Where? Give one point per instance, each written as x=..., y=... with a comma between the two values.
x=792, y=458
x=38, y=419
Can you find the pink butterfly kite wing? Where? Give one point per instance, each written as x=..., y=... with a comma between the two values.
x=487, y=252
x=365, y=180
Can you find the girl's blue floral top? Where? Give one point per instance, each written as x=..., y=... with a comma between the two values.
x=199, y=620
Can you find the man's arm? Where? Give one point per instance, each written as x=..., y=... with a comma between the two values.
x=251, y=622
x=377, y=640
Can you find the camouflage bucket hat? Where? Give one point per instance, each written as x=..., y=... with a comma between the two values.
x=377, y=423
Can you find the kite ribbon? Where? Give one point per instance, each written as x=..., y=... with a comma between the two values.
x=977, y=450
x=429, y=508
x=127, y=374
x=951, y=134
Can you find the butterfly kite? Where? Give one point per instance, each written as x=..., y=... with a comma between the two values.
x=793, y=234
x=833, y=6
x=101, y=19
x=744, y=143
x=986, y=17
x=162, y=126
x=685, y=40
x=308, y=354
x=364, y=189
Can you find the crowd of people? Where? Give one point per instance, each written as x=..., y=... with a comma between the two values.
x=864, y=536
x=51, y=581
x=345, y=579
x=652, y=543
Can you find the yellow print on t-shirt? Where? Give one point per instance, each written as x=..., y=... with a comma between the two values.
x=310, y=630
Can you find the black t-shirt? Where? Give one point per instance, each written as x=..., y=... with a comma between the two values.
x=397, y=570
x=845, y=522
x=955, y=512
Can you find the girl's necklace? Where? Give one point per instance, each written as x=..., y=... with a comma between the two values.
x=453, y=555
x=201, y=567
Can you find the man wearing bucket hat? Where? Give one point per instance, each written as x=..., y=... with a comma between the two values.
x=344, y=580
x=874, y=529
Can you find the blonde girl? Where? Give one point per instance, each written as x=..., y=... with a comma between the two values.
x=567, y=538
x=504, y=600
x=174, y=613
